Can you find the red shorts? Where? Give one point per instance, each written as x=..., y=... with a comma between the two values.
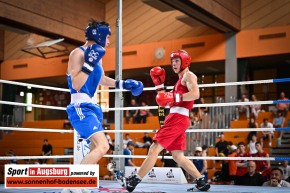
x=172, y=135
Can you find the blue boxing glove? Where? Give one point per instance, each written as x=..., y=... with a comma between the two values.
x=136, y=87
x=93, y=54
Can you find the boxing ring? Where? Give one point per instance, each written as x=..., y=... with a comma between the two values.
x=113, y=186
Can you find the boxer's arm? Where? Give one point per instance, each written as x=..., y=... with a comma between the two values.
x=190, y=81
x=75, y=64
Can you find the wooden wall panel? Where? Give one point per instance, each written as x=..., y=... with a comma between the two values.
x=144, y=24
x=265, y=13
x=53, y=18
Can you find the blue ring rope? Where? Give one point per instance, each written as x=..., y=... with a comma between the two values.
x=281, y=80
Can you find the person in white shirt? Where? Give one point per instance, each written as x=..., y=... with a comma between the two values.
x=267, y=134
x=286, y=169
x=244, y=109
x=276, y=179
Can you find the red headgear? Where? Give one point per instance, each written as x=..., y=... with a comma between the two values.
x=184, y=57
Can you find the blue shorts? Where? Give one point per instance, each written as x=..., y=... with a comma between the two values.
x=86, y=119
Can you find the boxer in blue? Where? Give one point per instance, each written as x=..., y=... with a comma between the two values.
x=84, y=74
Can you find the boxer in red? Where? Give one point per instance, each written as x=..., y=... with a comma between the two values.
x=171, y=136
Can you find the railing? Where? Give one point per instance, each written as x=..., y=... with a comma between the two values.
x=217, y=118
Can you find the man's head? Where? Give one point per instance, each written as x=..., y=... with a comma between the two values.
x=222, y=137
x=259, y=147
x=251, y=167
x=130, y=145
x=98, y=32
x=241, y=146
x=277, y=174
x=198, y=151
x=45, y=141
x=180, y=60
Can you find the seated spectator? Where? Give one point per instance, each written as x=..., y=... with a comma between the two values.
x=252, y=145
x=204, y=150
x=147, y=141
x=242, y=164
x=276, y=179
x=283, y=107
x=201, y=165
x=203, y=110
x=46, y=151
x=255, y=109
x=232, y=163
x=279, y=121
x=167, y=162
x=263, y=166
x=144, y=113
x=126, y=140
x=129, y=150
x=109, y=140
x=12, y=153
x=286, y=169
x=267, y=134
x=67, y=124
x=252, y=124
x=194, y=120
x=244, y=109
x=251, y=178
x=134, y=113
x=221, y=148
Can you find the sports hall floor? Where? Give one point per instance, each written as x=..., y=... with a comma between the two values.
x=114, y=187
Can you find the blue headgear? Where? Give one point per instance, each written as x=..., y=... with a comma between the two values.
x=98, y=33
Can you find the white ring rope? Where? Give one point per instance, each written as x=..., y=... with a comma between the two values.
x=189, y=130
x=36, y=129
x=153, y=88
x=151, y=107
x=145, y=156
x=35, y=157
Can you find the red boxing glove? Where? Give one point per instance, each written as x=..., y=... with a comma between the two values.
x=166, y=98
x=158, y=76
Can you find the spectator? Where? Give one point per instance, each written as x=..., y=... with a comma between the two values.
x=232, y=163
x=12, y=153
x=255, y=109
x=252, y=124
x=267, y=134
x=144, y=113
x=282, y=107
x=286, y=169
x=252, y=145
x=242, y=164
x=276, y=179
x=134, y=113
x=203, y=110
x=263, y=166
x=147, y=140
x=204, y=150
x=67, y=124
x=126, y=140
x=201, y=165
x=46, y=151
x=194, y=120
x=251, y=178
x=129, y=150
x=109, y=141
x=167, y=162
x=279, y=120
x=221, y=148
x=244, y=109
